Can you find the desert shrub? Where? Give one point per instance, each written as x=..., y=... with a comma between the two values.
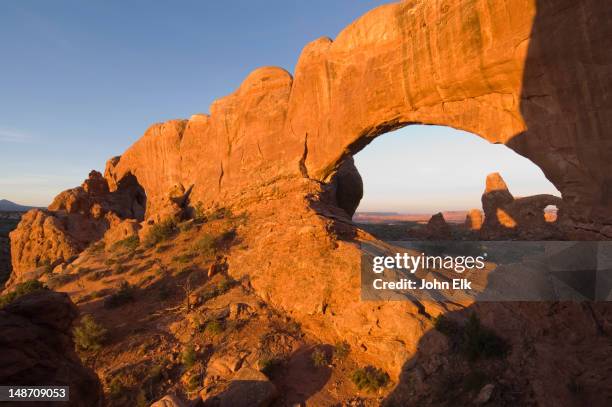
x=480, y=342
x=186, y=226
x=58, y=280
x=97, y=275
x=46, y=264
x=193, y=382
x=129, y=244
x=446, y=326
x=199, y=213
x=120, y=268
x=182, y=258
x=89, y=335
x=223, y=286
x=141, y=399
x=341, y=349
x=162, y=248
x=214, y=327
x=474, y=381
x=474, y=340
x=370, y=378
x=116, y=387
x=96, y=247
x=20, y=290
x=81, y=271
x=268, y=366
x=160, y=232
x=122, y=296
x=206, y=245
x=319, y=358
x=189, y=356
x=109, y=261
x=220, y=213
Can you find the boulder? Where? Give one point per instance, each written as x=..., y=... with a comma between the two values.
x=169, y=400
x=36, y=347
x=248, y=388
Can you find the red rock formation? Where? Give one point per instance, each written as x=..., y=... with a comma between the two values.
x=437, y=228
x=473, y=220
x=507, y=71
x=36, y=347
x=76, y=218
x=521, y=218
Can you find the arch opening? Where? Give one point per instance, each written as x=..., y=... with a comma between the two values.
x=413, y=173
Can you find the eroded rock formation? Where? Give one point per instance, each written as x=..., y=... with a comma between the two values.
x=36, y=347
x=533, y=75
x=437, y=228
x=474, y=219
x=520, y=218
x=75, y=218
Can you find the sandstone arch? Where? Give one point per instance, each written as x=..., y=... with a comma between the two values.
x=500, y=70
x=476, y=67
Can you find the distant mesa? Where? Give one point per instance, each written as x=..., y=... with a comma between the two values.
x=7, y=206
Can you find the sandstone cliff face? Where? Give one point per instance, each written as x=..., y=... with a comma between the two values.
x=519, y=72
x=36, y=347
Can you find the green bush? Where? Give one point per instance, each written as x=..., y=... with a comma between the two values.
x=341, y=349
x=58, y=280
x=370, y=378
x=129, y=244
x=199, y=213
x=116, y=388
x=268, y=366
x=182, y=258
x=20, y=290
x=474, y=340
x=193, y=383
x=480, y=342
x=89, y=335
x=221, y=213
x=160, y=232
x=206, y=245
x=446, y=326
x=122, y=296
x=188, y=356
x=214, y=327
x=97, y=275
x=319, y=358
x=224, y=285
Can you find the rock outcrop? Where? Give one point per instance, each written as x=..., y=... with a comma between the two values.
x=437, y=228
x=75, y=218
x=474, y=219
x=521, y=218
x=36, y=347
x=533, y=75
x=248, y=388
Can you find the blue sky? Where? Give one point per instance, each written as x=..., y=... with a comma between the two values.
x=81, y=81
